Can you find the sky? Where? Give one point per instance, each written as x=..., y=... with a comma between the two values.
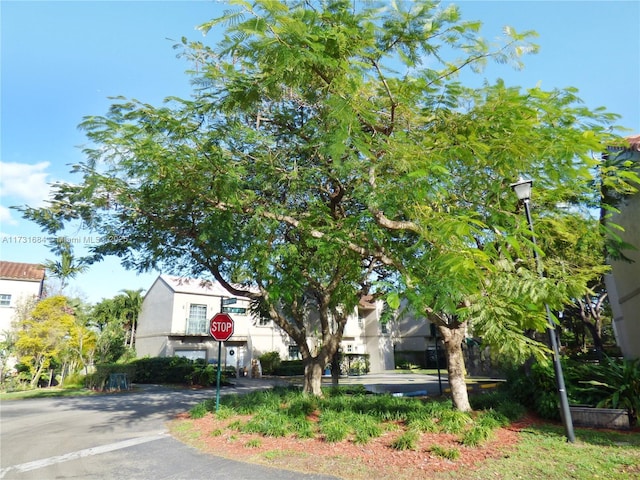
x=62, y=60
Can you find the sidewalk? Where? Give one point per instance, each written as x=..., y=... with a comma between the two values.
x=386, y=382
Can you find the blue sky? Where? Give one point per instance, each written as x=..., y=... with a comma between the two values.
x=61, y=60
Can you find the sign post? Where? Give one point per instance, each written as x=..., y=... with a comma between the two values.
x=221, y=329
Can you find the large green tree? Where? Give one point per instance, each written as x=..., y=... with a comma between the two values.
x=50, y=334
x=327, y=148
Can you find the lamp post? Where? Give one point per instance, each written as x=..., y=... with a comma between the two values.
x=522, y=189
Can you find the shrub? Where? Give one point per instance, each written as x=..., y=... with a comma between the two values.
x=477, y=435
x=406, y=441
x=202, y=374
x=536, y=390
x=198, y=411
x=303, y=406
x=423, y=422
x=453, y=421
x=501, y=402
x=268, y=423
x=302, y=428
x=616, y=384
x=100, y=378
x=448, y=453
x=269, y=362
x=333, y=427
x=365, y=428
x=74, y=380
x=492, y=419
x=289, y=368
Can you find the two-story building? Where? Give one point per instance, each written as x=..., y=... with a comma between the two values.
x=175, y=316
x=19, y=282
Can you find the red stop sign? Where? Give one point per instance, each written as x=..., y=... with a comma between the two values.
x=221, y=327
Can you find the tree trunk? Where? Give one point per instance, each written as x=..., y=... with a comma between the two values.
x=453, y=338
x=335, y=369
x=133, y=334
x=36, y=376
x=313, y=367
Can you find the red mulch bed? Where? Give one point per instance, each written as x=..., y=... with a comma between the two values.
x=347, y=459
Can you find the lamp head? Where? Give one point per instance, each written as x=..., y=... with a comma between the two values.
x=522, y=188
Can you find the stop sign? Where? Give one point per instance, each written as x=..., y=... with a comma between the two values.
x=221, y=327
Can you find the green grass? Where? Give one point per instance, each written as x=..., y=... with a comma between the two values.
x=47, y=393
x=448, y=453
x=406, y=441
x=544, y=454
x=351, y=414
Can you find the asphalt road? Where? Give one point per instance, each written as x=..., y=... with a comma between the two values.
x=124, y=435
x=119, y=436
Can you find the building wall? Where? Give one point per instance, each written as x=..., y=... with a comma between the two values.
x=20, y=291
x=162, y=330
x=155, y=321
x=623, y=285
x=377, y=340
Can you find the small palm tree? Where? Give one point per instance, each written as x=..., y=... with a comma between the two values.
x=67, y=267
x=129, y=304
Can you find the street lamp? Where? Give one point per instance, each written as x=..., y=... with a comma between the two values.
x=522, y=189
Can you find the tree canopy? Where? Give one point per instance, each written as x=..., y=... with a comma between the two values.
x=329, y=151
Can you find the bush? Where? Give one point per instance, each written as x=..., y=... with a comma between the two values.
x=163, y=370
x=501, y=402
x=268, y=423
x=289, y=368
x=100, y=378
x=74, y=380
x=448, y=453
x=537, y=390
x=614, y=383
x=172, y=370
x=202, y=374
x=476, y=435
x=269, y=362
x=406, y=441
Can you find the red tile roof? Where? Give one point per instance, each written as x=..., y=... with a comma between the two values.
x=21, y=271
x=634, y=142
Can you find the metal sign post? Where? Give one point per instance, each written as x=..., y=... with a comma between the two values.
x=221, y=329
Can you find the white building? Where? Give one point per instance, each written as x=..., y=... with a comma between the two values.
x=623, y=284
x=19, y=282
x=175, y=315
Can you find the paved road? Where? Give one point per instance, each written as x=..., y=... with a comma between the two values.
x=121, y=436
x=124, y=435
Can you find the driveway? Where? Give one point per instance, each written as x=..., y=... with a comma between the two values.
x=114, y=437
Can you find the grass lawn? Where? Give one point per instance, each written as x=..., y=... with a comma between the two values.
x=543, y=453
x=46, y=393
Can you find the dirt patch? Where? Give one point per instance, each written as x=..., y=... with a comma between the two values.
x=345, y=459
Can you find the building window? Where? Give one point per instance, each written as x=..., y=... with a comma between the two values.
x=349, y=348
x=384, y=328
x=264, y=321
x=5, y=300
x=294, y=352
x=197, y=321
x=191, y=354
x=361, y=322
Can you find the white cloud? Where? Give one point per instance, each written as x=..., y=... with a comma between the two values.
x=24, y=182
x=5, y=216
